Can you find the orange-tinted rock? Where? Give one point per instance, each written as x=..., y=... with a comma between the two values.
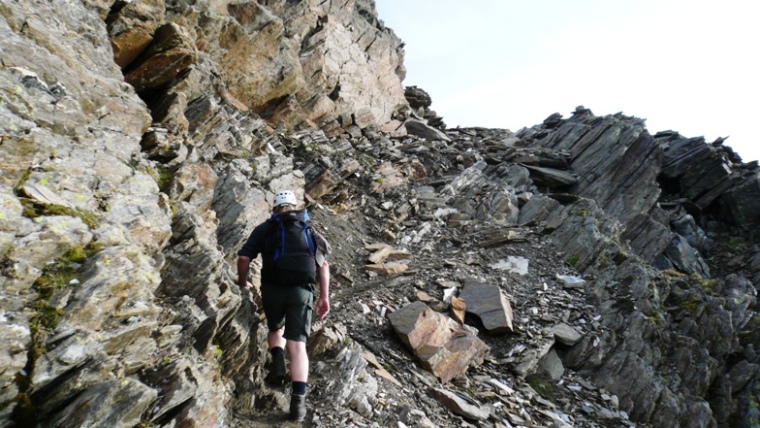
x=171, y=51
x=437, y=341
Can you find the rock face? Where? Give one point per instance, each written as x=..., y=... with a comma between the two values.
x=333, y=64
x=141, y=141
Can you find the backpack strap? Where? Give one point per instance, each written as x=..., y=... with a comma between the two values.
x=309, y=237
x=270, y=240
x=280, y=250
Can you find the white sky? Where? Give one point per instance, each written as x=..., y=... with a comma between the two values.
x=688, y=66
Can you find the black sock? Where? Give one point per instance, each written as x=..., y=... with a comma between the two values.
x=299, y=388
x=277, y=351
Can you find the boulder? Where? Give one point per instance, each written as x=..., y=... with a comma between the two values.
x=437, y=341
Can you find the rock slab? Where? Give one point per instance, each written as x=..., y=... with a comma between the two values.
x=487, y=302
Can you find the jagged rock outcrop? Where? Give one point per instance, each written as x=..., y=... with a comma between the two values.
x=420, y=100
x=327, y=64
x=663, y=320
x=141, y=141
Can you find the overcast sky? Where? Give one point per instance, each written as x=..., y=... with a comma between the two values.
x=687, y=66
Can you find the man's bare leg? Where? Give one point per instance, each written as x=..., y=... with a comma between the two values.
x=299, y=361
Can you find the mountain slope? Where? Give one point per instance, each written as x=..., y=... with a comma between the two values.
x=142, y=141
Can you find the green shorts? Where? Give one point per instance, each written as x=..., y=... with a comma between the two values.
x=288, y=306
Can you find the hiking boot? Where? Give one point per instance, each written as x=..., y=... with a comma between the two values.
x=279, y=370
x=297, y=407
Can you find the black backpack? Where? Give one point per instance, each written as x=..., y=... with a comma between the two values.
x=292, y=249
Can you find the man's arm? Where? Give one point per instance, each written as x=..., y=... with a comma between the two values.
x=323, y=276
x=250, y=251
x=243, y=266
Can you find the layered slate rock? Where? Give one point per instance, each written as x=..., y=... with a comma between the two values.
x=706, y=174
x=742, y=201
x=437, y=341
x=497, y=204
x=618, y=151
x=15, y=338
x=618, y=216
x=110, y=403
x=489, y=304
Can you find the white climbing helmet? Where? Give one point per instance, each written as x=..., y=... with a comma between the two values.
x=284, y=197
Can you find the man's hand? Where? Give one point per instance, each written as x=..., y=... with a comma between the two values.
x=323, y=307
x=248, y=285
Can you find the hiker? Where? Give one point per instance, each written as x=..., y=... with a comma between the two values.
x=294, y=257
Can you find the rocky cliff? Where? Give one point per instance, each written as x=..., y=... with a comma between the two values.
x=580, y=272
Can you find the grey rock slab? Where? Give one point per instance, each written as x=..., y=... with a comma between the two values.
x=563, y=333
x=43, y=195
x=422, y=130
x=743, y=203
x=489, y=304
x=195, y=183
x=502, y=238
x=357, y=388
x=53, y=237
x=685, y=257
x=143, y=213
x=537, y=208
x=570, y=281
x=740, y=374
x=458, y=405
x=239, y=206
